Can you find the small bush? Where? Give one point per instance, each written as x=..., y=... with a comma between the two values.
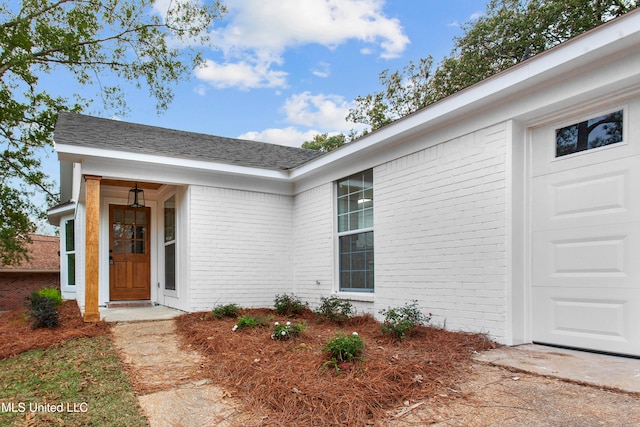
x=285, y=331
x=400, y=321
x=222, y=311
x=52, y=293
x=245, y=322
x=43, y=311
x=287, y=304
x=334, y=309
x=344, y=348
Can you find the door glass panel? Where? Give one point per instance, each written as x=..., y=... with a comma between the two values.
x=118, y=216
x=139, y=232
x=141, y=217
x=140, y=246
x=129, y=217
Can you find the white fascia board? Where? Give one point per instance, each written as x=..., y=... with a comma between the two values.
x=617, y=36
x=77, y=154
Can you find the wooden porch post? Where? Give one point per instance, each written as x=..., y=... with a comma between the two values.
x=92, y=248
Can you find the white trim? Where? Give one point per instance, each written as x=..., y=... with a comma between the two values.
x=78, y=153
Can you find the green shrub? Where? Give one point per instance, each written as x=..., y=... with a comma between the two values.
x=250, y=322
x=43, y=310
x=228, y=310
x=285, y=331
x=400, y=321
x=287, y=304
x=334, y=309
x=344, y=348
x=52, y=293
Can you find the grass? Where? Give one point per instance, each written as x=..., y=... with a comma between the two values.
x=84, y=377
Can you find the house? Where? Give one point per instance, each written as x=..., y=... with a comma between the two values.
x=41, y=270
x=511, y=207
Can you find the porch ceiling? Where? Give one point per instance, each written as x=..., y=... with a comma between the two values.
x=130, y=184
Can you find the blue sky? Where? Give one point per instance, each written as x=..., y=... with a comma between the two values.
x=285, y=70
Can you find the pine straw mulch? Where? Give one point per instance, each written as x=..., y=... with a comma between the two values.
x=286, y=380
x=16, y=335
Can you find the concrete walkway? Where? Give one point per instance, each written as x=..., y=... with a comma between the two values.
x=611, y=372
x=169, y=380
x=138, y=314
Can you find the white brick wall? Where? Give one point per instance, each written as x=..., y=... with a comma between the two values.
x=440, y=232
x=241, y=245
x=313, y=244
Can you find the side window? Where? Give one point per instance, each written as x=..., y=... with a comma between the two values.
x=355, y=232
x=70, y=251
x=589, y=134
x=170, y=244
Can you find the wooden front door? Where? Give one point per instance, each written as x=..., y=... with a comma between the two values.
x=129, y=258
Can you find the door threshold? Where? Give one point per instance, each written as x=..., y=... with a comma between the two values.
x=130, y=304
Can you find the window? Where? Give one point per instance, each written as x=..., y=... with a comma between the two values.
x=70, y=251
x=170, y=244
x=355, y=232
x=593, y=133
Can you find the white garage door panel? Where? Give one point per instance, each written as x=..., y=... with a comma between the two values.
x=587, y=196
x=594, y=320
x=594, y=257
x=585, y=241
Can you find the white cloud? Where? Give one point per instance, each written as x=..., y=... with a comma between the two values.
x=242, y=75
x=258, y=32
x=326, y=112
x=275, y=25
x=322, y=70
x=317, y=113
x=289, y=136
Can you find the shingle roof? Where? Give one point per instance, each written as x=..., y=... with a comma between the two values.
x=93, y=132
x=43, y=256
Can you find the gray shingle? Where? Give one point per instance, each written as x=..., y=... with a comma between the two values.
x=93, y=132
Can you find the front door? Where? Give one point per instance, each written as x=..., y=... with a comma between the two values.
x=129, y=260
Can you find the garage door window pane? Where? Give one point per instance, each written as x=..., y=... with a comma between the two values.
x=593, y=133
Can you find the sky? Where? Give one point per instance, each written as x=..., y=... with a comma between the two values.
x=283, y=71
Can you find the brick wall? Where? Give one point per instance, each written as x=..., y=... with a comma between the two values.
x=241, y=247
x=313, y=244
x=440, y=232
x=15, y=287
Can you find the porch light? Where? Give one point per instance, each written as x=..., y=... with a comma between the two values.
x=136, y=197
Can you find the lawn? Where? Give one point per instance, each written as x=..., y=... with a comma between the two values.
x=69, y=375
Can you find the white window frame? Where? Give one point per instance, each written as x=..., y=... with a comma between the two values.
x=164, y=244
x=350, y=293
x=68, y=289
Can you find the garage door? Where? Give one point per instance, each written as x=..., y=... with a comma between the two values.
x=585, y=219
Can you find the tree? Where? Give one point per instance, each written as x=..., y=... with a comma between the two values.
x=88, y=40
x=325, y=143
x=510, y=31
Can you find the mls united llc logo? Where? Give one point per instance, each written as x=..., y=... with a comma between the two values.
x=21, y=407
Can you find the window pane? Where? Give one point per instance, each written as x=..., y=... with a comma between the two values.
x=69, y=235
x=368, y=218
x=118, y=247
x=355, y=212
x=129, y=216
x=593, y=133
x=170, y=219
x=367, y=178
x=343, y=187
x=356, y=262
x=139, y=247
x=170, y=267
x=141, y=217
x=140, y=231
x=71, y=269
